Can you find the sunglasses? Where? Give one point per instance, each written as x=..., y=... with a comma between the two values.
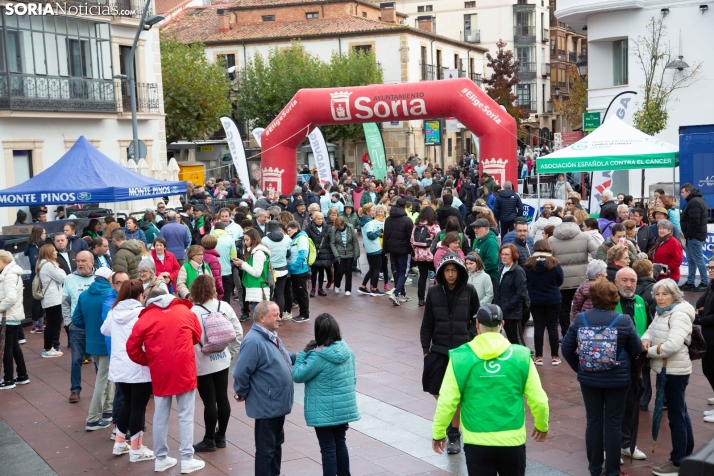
x=568, y=203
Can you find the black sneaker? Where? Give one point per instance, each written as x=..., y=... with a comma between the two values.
x=312, y=293
x=301, y=319
x=321, y=292
x=422, y=302
x=220, y=441
x=244, y=318
x=700, y=289
x=363, y=291
x=205, y=446
x=24, y=380
x=687, y=287
x=7, y=385
x=453, y=443
x=98, y=425
x=376, y=292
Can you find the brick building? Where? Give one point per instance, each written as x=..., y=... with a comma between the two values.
x=240, y=29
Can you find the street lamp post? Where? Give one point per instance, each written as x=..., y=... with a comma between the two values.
x=144, y=24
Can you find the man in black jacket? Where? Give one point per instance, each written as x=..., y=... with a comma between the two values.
x=66, y=259
x=397, y=242
x=645, y=238
x=447, y=324
x=508, y=207
x=447, y=210
x=694, y=229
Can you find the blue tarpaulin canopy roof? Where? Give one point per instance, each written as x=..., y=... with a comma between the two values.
x=85, y=175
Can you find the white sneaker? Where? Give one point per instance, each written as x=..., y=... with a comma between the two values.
x=142, y=454
x=710, y=401
x=164, y=464
x=709, y=418
x=636, y=455
x=191, y=465
x=337, y=290
x=347, y=293
x=708, y=412
x=394, y=299
x=22, y=341
x=121, y=448
x=287, y=316
x=114, y=434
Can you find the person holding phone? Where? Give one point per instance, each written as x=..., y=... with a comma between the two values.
x=618, y=237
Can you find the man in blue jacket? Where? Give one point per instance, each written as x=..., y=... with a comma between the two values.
x=87, y=315
x=263, y=380
x=520, y=237
x=508, y=207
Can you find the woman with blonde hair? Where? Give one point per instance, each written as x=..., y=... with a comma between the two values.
x=618, y=257
x=52, y=278
x=108, y=234
x=194, y=267
x=545, y=218
x=12, y=313
x=580, y=216
x=673, y=212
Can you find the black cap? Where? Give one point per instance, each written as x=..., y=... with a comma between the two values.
x=284, y=197
x=489, y=315
x=299, y=202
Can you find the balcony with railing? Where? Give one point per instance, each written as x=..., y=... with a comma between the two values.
x=530, y=107
x=527, y=70
x=524, y=33
x=29, y=92
x=476, y=78
x=147, y=97
x=572, y=56
x=545, y=69
x=548, y=107
x=545, y=36
x=462, y=73
x=428, y=72
x=473, y=36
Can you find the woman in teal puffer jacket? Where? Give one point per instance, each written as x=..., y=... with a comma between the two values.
x=327, y=367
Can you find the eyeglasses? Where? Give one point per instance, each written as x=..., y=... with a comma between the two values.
x=568, y=203
x=710, y=267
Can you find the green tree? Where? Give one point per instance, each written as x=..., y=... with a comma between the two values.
x=574, y=107
x=504, y=78
x=196, y=91
x=653, y=53
x=267, y=84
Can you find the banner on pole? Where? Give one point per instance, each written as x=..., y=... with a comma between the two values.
x=375, y=147
x=602, y=180
x=322, y=158
x=256, y=135
x=622, y=106
x=235, y=144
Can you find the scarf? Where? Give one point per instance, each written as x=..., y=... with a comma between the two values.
x=659, y=242
x=662, y=310
x=541, y=254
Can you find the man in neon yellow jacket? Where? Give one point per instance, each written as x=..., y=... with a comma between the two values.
x=489, y=377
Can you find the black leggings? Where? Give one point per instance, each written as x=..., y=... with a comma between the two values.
x=514, y=331
x=493, y=460
x=53, y=324
x=545, y=316
x=372, y=276
x=13, y=353
x=131, y=417
x=288, y=296
x=36, y=311
x=344, y=269
x=319, y=270
x=708, y=365
x=213, y=389
x=279, y=293
x=424, y=268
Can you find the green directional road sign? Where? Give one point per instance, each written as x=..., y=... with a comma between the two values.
x=591, y=121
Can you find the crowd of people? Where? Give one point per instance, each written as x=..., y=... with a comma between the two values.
x=119, y=288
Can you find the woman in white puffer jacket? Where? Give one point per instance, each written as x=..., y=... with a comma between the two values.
x=545, y=219
x=133, y=379
x=52, y=278
x=666, y=342
x=11, y=307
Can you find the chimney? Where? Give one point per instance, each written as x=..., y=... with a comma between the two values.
x=389, y=12
x=224, y=25
x=426, y=23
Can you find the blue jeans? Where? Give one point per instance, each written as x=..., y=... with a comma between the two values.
x=335, y=458
x=269, y=437
x=680, y=426
x=78, y=345
x=695, y=260
x=402, y=262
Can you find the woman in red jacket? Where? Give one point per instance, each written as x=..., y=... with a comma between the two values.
x=667, y=250
x=167, y=266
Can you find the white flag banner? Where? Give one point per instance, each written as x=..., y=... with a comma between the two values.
x=256, y=135
x=235, y=143
x=322, y=158
x=622, y=106
x=601, y=181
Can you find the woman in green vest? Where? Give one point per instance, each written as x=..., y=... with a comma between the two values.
x=190, y=270
x=255, y=268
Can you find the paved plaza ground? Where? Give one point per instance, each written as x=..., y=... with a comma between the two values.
x=41, y=433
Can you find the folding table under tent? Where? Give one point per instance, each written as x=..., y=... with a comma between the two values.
x=85, y=175
x=615, y=145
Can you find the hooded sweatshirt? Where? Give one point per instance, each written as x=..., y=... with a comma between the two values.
x=448, y=314
x=118, y=326
x=76, y=243
x=279, y=244
x=11, y=293
x=330, y=377
x=87, y=315
x=163, y=339
x=485, y=420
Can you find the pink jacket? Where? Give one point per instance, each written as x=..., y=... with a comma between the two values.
x=211, y=259
x=422, y=251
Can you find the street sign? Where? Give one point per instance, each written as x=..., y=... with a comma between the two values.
x=591, y=121
x=142, y=150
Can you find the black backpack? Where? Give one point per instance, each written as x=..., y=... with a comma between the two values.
x=422, y=235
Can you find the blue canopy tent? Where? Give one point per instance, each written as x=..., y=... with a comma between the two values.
x=85, y=175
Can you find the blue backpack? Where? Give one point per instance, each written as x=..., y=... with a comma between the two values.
x=597, y=346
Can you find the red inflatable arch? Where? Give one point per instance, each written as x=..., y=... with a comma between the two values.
x=459, y=98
